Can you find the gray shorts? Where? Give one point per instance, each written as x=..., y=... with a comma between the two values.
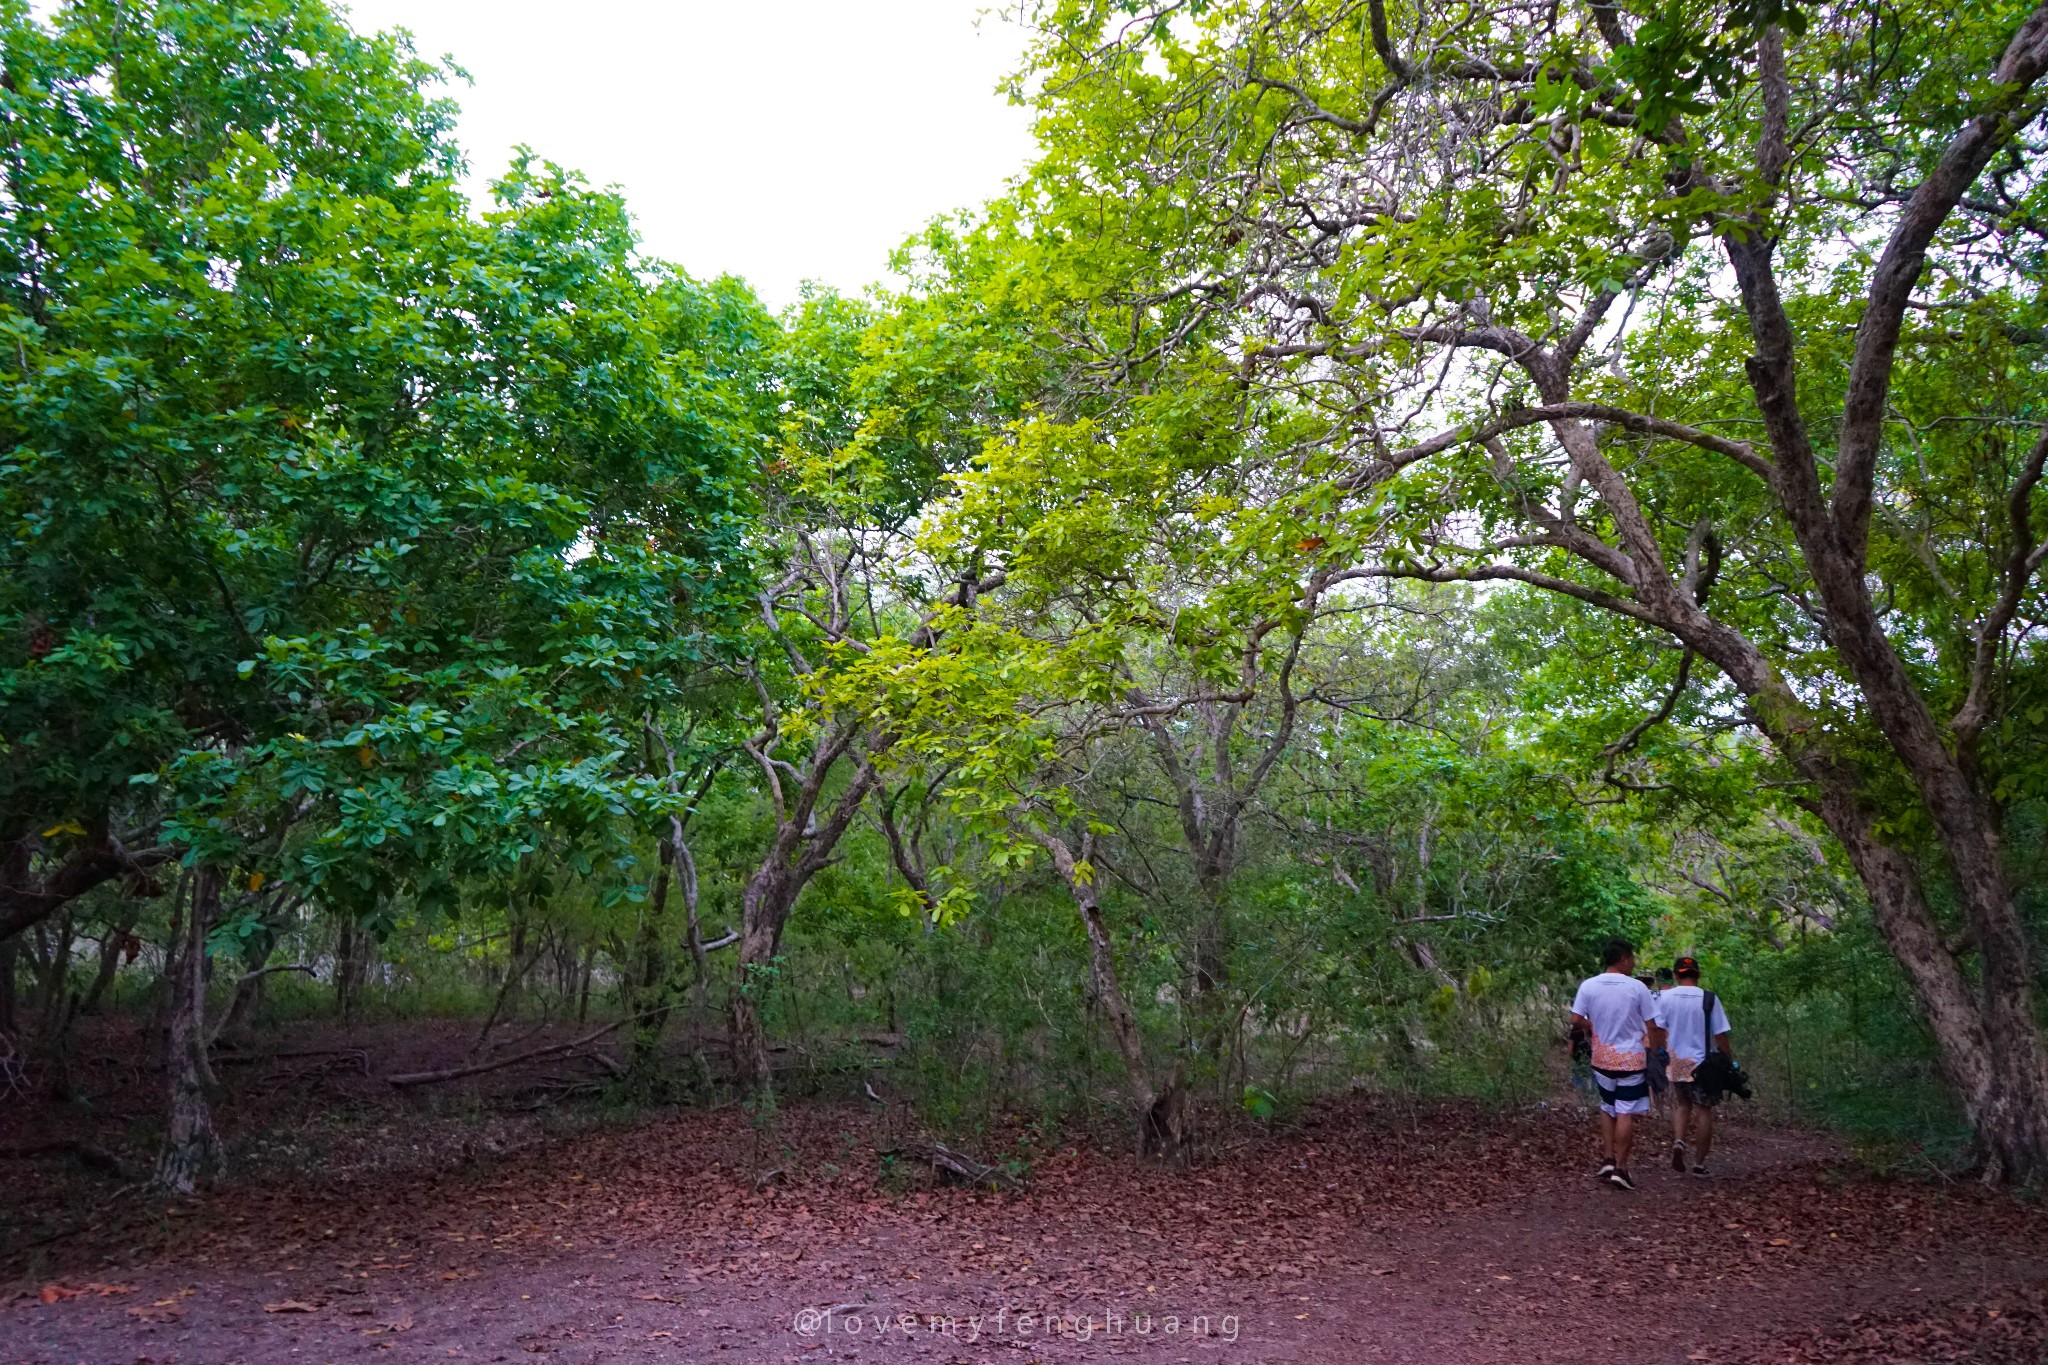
x=1689, y=1092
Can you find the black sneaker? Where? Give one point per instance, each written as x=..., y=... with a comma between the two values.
x=1606, y=1169
x=1619, y=1179
x=1678, y=1157
x=1702, y=1172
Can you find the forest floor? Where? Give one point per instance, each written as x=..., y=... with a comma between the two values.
x=372, y=1227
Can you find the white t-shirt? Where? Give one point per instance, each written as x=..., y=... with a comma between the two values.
x=1617, y=1006
x=1682, y=1013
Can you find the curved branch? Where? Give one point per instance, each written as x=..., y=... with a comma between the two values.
x=1877, y=336
x=1490, y=573
x=2020, y=567
x=1641, y=423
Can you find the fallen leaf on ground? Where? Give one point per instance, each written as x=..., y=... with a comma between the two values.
x=291, y=1306
x=163, y=1310
x=51, y=1293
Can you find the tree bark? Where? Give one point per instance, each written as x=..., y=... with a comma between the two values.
x=191, y=1150
x=693, y=939
x=348, y=970
x=26, y=902
x=764, y=908
x=1161, y=1111
x=2011, y=1106
x=109, y=963
x=1976, y=1047
x=802, y=846
x=648, y=999
x=9, y=949
x=583, y=984
x=53, y=980
x=519, y=961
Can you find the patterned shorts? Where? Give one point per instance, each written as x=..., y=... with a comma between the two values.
x=1690, y=1093
x=1623, y=1092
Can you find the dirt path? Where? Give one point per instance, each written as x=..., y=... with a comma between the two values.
x=1370, y=1234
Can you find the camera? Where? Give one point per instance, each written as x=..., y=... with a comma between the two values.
x=1721, y=1074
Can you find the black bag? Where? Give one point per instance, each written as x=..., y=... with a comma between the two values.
x=1718, y=1074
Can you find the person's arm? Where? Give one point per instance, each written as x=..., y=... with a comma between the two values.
x=1723, y=1043
x=1579, y=1020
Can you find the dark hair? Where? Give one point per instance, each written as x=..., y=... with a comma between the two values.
x=1664, y=974
x=1617, y=948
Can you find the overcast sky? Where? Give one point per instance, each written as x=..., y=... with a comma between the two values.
x=799, y=140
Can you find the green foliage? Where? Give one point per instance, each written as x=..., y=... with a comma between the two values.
x=456, y=578
x=324, y=495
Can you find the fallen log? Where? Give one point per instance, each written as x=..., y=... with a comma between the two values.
x=958, y=1165
x=238, y=1057
x=456, y=1073
x=352, y=1058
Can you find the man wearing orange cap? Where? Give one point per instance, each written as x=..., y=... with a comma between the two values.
x=1693, y=1021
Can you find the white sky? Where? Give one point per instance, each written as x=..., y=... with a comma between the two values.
x=799, y=140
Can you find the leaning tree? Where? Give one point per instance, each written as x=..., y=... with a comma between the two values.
x=1718, y=316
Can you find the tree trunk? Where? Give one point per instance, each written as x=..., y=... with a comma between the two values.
x=8, y=949
x=55, y=976
x=764, y=909
x=653, y=999
x=1161, y=1111
x=348, y=970
x=802, y=845
x=191, y=1148
x=908, y=862
x=583, y=983
x=1990, y=1058
x=649, y=999
x=248, y=997
x=2011, y=1103
x=519, y=960
x=110, y=962
x=693, y=929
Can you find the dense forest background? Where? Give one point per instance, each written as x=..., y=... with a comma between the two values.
x=1394, y=496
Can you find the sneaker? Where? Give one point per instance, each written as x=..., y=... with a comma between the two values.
x=1702, y=1172
x=1678, y=1156
x=1619, y=1179
x=1606, y=1169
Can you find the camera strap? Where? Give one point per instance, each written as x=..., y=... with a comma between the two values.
x=1708, y=1051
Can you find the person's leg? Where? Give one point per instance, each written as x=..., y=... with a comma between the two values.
x=1606, y=1137
x=1703, y=1143
x=1624, y=1139
x=1681, y=1120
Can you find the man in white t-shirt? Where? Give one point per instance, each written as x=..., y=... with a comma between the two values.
x=1682, y=1014
x=1620, y=1014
